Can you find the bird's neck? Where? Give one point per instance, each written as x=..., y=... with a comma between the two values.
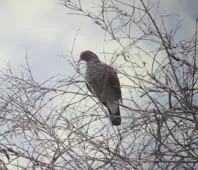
x=93, y=63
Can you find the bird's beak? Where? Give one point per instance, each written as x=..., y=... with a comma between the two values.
x=79, y=60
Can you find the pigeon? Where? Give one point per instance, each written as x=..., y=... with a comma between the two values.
x=103, y=82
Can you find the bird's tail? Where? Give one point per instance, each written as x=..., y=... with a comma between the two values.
x=114, y=112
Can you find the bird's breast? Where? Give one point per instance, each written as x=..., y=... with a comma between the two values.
x=95, y=74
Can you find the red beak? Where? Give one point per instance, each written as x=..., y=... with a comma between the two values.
x=79, y=60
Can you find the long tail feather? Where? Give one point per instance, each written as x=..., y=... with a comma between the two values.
x=114, y=112
x=115, y=118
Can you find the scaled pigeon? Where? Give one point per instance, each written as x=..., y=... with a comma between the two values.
x=103, y=82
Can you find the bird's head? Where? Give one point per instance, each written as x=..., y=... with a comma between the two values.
x=88, y=56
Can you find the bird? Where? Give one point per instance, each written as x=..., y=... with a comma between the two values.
x=103, y=82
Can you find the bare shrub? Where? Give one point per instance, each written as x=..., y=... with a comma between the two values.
x=58, y=124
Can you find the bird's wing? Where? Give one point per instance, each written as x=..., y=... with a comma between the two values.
x=114, y=82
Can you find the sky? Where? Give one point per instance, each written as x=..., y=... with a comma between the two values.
x=42, y=30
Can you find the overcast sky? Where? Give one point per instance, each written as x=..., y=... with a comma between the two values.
x=43, y=30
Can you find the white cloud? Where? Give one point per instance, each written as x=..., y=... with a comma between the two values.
x=43, y=28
